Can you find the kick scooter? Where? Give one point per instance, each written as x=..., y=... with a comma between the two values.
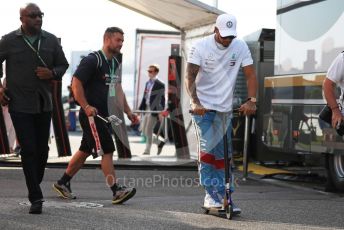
x=113, y=119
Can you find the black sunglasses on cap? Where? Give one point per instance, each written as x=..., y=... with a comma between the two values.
x=35, y=15
x=228, y=37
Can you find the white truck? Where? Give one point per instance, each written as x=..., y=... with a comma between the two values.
x=152, y=47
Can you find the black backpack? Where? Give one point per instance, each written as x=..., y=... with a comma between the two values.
x=99, y=65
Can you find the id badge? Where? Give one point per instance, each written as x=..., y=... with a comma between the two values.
x=107, y=79
x=112, y=85
x=112, y=90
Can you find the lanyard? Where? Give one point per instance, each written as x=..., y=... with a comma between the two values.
x=34, y=50
x=112, y=67
x=112, y=85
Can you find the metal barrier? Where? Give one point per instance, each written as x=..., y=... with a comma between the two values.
x=164, y=121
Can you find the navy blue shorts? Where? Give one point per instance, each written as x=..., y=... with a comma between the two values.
x=88, y=144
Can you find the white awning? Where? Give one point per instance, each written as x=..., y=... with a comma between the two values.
x=180, y=14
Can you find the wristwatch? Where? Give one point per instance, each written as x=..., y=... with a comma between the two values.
x=252, y=99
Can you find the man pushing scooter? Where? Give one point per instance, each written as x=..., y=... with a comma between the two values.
x=212, y=69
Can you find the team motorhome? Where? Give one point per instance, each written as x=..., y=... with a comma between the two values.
x=309, y=35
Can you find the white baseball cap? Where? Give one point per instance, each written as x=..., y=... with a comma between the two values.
x=226, y=24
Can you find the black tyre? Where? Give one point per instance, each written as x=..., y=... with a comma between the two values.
x=205, y=210
x=229, y=212
x=335, y=170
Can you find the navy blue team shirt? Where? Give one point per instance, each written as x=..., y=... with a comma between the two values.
x=93, y=79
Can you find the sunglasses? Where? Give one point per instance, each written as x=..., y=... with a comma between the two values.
x=35, y=15
x=228, y=37
x=150, y=71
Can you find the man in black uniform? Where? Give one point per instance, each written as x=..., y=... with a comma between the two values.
x=94, y=80
x=33, y=58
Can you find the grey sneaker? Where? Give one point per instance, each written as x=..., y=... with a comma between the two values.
x=123, y=194
x=64, y=190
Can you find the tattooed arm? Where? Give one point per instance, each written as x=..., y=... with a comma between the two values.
x=190, y=77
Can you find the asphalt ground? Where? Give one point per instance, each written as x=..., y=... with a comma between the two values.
x=165, y=200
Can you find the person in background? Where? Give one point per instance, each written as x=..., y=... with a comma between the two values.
x=335, y=77
x=11, y=134
x=34, y=58
x=71, y=112
x=153, y=100
x=212, y=68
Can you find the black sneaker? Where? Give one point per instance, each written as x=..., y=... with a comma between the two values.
x=17, y=150
x=159, y=150
x=36, y=207
x=64, y=190
x=123, y=194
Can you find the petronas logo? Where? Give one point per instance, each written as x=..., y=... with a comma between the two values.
x=233, y=60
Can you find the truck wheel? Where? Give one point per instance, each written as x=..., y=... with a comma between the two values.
x=335, y=169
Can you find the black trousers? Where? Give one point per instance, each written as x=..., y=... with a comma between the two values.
x=32, y=131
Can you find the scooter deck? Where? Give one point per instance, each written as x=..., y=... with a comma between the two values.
x=216, y=210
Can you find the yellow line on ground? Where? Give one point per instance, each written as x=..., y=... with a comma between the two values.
x=261, y=170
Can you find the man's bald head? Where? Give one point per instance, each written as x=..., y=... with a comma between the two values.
x=23, y=10
x=31, y=18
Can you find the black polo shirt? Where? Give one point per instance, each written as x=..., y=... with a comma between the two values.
x=27, y=92
x=94, y=80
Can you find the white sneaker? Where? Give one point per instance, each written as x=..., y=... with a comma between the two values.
x=209, y=202
x=236, y=209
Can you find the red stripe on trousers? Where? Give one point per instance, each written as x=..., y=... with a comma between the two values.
x=210, y=159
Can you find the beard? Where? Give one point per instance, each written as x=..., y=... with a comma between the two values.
x=33, y=30
x=115, y=50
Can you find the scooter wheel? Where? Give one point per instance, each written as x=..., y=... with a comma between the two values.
x=229, y=212
x=205, y=210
